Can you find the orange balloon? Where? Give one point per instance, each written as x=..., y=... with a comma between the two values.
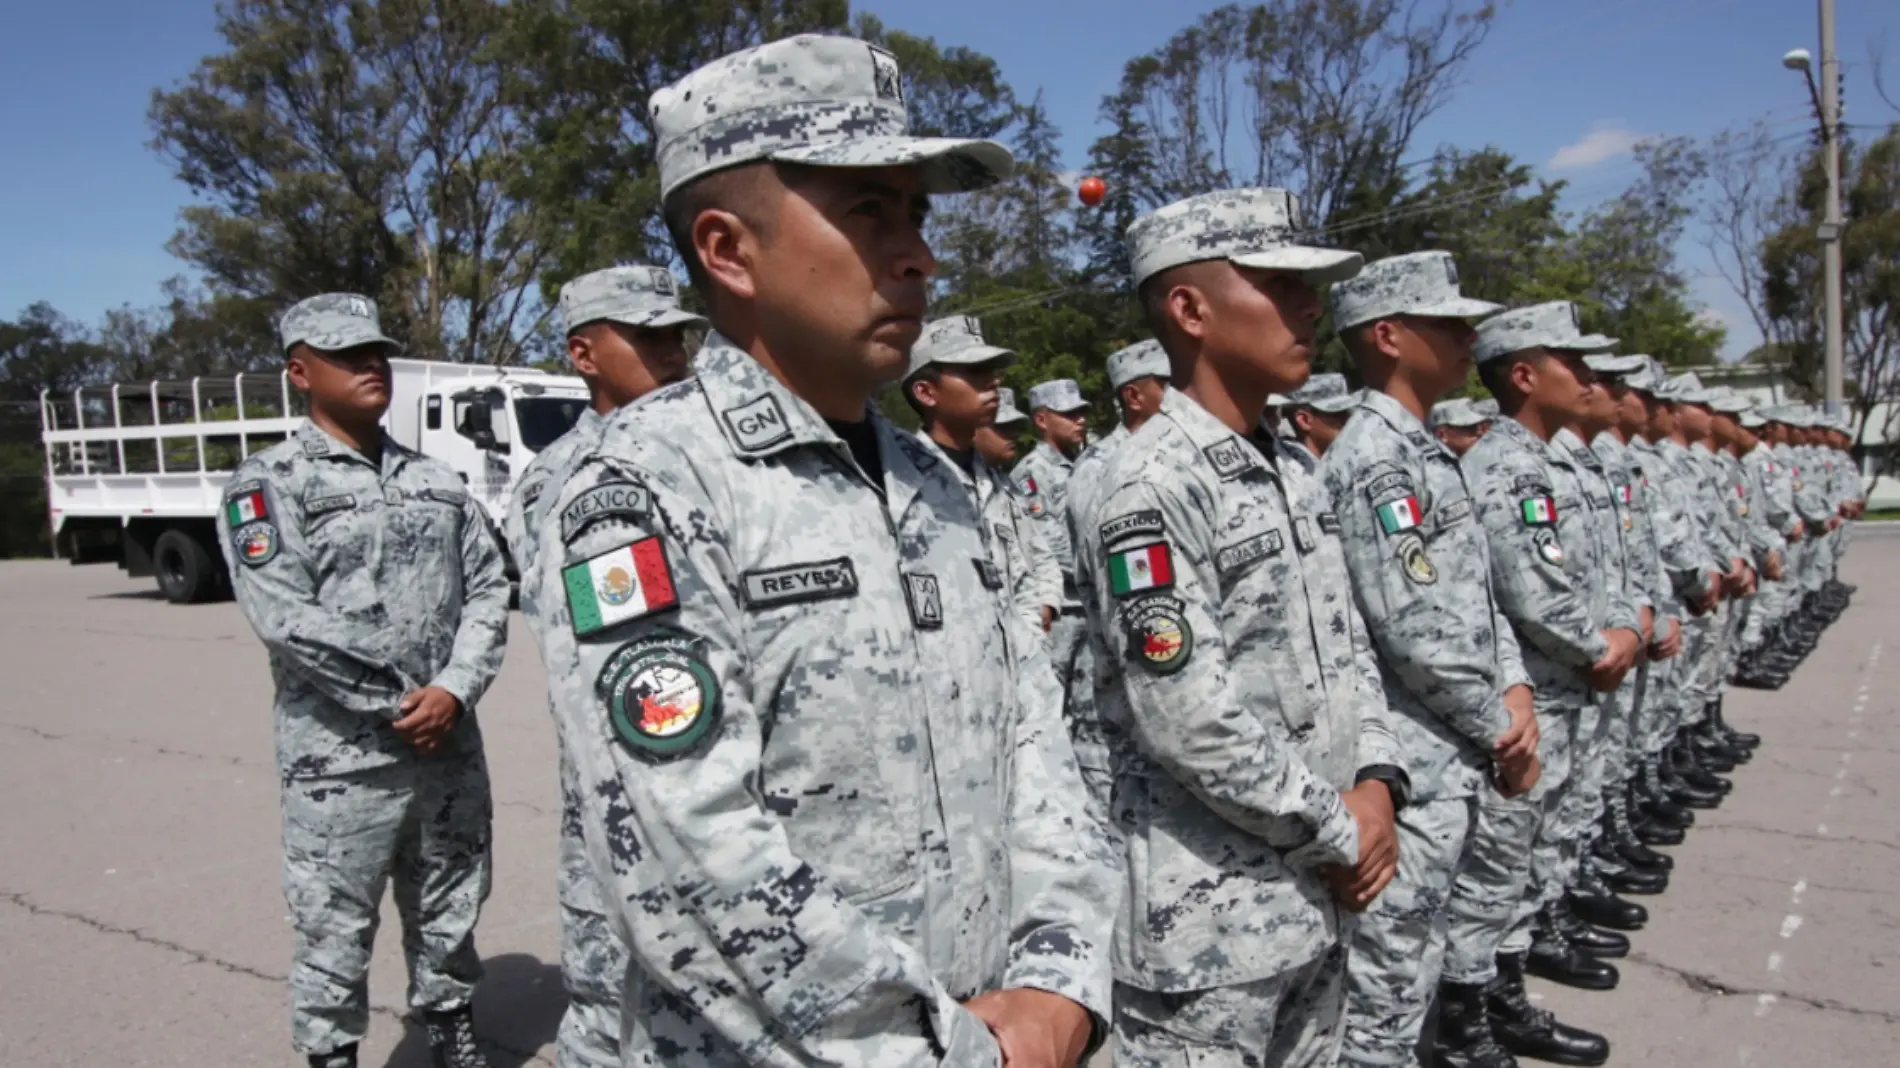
x=1092, y=190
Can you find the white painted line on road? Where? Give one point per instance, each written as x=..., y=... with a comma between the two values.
x=1789, y=925
x=1840, y=773
x=1800, y=887
x=1774, y=962
x=1762, y=1001
x=1836, y=791
x=1822, y=829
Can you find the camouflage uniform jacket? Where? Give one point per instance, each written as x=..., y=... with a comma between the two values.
x=1627, y=596
x=1246, y=701
x=1809, y=502
x=1544, y=563
x=1043, y=479
x=1708, y=512
x=1421, y=577
x=1302, y=455
x=364, y=581
x=1687, y=555
x=822, y=785
x=537, y=488
x=1777, y=489
x=1745, y=505
x=1629, y=484
x=1029, y=572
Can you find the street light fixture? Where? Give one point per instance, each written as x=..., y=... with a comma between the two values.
x=1799, y=59
x=1827, y=109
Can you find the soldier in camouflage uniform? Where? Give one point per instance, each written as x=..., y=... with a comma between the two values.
x=625, y=338
x=836, y=820
x=1577, y=643
x=1765, y=545
x=1772, y=487
x=1458, y=424
x=372, y=579
x=1453, y=677
x=1315, y=413
x=1060, y=414
x=1139, y=376
x=1256, y=789
x=952, y=387
x=996, y=443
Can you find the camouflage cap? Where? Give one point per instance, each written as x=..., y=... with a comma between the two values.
x=1006, y=410
x=1257, y=228
x=1539, y=326
x=332, y=322
x=1461, y=412
x=1057, y=394
x=1424, y=284
x=636, y=296
x=1488, y=407
x=1753, y=420
x=818, y=100
x=1686, y=388
x=1143, y=359
x=1729, y=402
x=1620, y=366
x=955, y=340
x=1783, y=414
x=1324, y=393
x=1644, y=379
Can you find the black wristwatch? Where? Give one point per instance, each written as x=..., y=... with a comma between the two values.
x=1396, y=781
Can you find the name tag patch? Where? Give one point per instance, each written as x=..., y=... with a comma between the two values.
x=798, y=583
x=1147, y=521
x=624, y=500
x=1455, y=512
x=322, y=506
x=1256, y=548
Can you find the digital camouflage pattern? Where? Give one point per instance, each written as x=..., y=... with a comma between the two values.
x=332, y=322
x=1057, y=395
x=1458, y=412
x=1255, y=228
x=367, y=580
x=1293, y=1018
x=1324, y=393
x=1249, y=701
x=1090, y=670
x=819, y=100
x=825, y=804
x=1421, y=284
x=636, y=295
x=1042, y=478
x=1552, y=325
x=1143, y=359
x=957, y=340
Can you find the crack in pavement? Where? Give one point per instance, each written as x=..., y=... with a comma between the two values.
x=1845, y=839
x=136, y=743
x=1709, y=986
x=196, y=956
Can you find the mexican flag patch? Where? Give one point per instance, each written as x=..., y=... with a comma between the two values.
x=1398, y=515
x=246, y=507
x=1538, y=511
x=1150, y=567
x=618, y=585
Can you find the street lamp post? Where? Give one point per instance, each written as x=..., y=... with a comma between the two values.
x=1827, y=106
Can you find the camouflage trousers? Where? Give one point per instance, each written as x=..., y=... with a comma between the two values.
x=1291, y=1020
x=1398, y=946
x=1661, y=704
x=1764, y=611
x=593, y=959
x=1492, y=884
x=422, y=827
x=1699, y=679
x=1526, y=832
x=1591, y=768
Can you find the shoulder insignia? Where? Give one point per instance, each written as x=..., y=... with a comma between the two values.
x=1146, y=567
x=821, y=580
x=1228, y=457
x=1254, y=549
x=662, y=699
x=1548, y=546
x=925, y=598
x=1399, y=515
x=1146, y=521
x=255, y=542
x=758, y=424
x=619, y=585
x=1027, y=484
x=1159, y=638
x=314, y=447
x=623, y=500
x=1418, y=566
x=1389, y=485
x=1538, y=511
x=245, y=503
x=1536, y=484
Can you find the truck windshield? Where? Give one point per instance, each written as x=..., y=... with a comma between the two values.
x=543, y=419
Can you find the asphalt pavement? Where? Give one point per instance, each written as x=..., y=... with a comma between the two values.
x=142, y=922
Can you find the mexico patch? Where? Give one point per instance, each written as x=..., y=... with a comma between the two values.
x=1146, y=521
x=1548, y=547
x=256, y=543
x=1159, y=638
x=1538, y=511
x=609, y=500
x=662, y=700
x=246, y=504
x=1418, y=566
x=619, y=585
x=1150, y=567
x=1399, y=515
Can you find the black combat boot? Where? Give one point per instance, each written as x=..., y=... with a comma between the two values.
x=1710, y=751
x=1464, y=1039
x=336, y=1058
x=1680, y=789
x=1690, y=767
x=452, y=1039
x=1552, y=956
x=1594, y=902
x=1738, y=739
x=1619, y=828
x=1619, y=876
x=1528, y=1031
x=1654, y=801
x=1588, y=937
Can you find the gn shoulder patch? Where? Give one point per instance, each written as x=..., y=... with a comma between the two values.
x=1158, y=634
x=618, y=586
x=1146, y=521
x=798, y=583
x=1229, y=458
x=662, y=700
x=609, y=500
x=758, y=424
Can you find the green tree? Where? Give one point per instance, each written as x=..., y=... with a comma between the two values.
x=39, y=350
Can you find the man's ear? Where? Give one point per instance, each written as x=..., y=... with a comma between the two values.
x=296, y=368
x=580, y=353
x=1524, y=375
x=728, y=250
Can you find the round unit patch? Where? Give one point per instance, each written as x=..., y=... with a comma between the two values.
x=1159, y=637
x=662, y=701
x=256, y=543
x=1418, y=566
x=1548, y=547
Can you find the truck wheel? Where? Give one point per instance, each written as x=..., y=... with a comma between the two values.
x=186, y=572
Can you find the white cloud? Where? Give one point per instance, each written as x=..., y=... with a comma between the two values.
x=1607, y=139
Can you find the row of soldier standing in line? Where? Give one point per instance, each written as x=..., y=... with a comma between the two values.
x=868, y=757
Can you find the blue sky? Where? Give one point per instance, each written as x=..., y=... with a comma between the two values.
x=1569, y=85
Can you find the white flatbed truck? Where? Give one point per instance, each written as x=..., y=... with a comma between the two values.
x=136, y=473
